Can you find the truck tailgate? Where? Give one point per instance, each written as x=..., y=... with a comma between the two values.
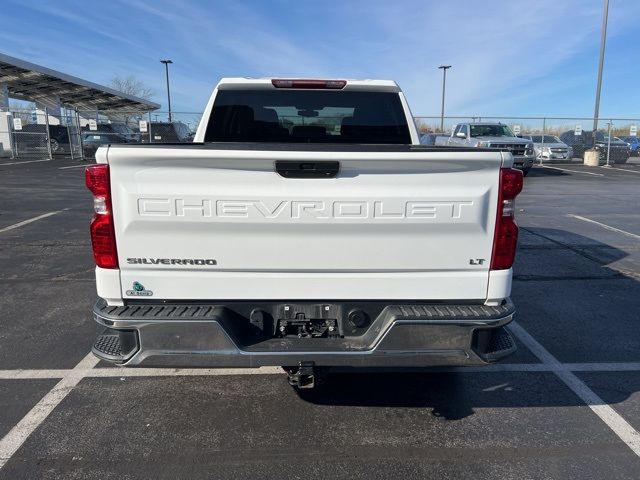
x=215, y=223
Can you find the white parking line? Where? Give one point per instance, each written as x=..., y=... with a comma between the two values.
x=621, y=169
x=181, y=372
x=603, y=367
x=605, y=226
x=16, y=437
x=26, y=222
x=607, y=414
x=26, y=161
x=33, y=374
x=574, y=171
x=75, y=166
x=113, y=372
x=13, y=440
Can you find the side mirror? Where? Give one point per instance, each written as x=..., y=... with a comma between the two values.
x=461, y=135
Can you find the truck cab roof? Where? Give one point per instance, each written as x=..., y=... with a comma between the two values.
x=481, y=123
x=267, y=83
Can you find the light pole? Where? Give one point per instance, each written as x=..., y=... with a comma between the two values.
x=444, y=83
x=603, y=41
x=166, y=69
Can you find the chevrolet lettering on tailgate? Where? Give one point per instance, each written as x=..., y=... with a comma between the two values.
x=306, y=209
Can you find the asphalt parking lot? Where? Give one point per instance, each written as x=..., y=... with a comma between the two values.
x=566, y=405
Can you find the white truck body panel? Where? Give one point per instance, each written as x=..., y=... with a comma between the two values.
x=392, y=225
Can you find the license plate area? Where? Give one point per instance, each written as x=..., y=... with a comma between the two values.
x=308, y=321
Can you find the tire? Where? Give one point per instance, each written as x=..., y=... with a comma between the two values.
x=526, y=171
x=55, y=146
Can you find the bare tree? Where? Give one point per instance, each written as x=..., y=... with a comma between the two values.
x=130, y=85
x=22, y=110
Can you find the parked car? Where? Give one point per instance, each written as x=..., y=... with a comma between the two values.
x=549, y=147
x=218, y=254
x=619, y=150
x=634, y=145
x=92, y=140
x=430, y=138
x=492, y=135
x=33, y=138
x=119, y=128
x=167, y=132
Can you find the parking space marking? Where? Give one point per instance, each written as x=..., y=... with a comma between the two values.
x=13, y=440
x=607, y=414
x=16, y=437
x=26, y=161
x=31, y=220
x=75, y=166
x=603, y=367
x=603, y=225
x=23, y=374
x=115, y=372
x=180, y=372
x=574, y=171
x=621, y=169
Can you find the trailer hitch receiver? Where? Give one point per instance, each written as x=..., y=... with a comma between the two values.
x=302, y=376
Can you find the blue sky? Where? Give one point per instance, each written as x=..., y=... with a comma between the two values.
x=511, y=57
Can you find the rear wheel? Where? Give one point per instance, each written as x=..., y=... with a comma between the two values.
x=55, y=146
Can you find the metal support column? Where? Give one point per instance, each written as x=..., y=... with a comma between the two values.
x=544, y=127
x=81, y=145
x=603, y=42
x=48, y=136
x=608, y=142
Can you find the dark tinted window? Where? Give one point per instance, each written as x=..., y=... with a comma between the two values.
x=169, y=132
x=102, y=138
x=487, y=130
x=307, y=116
x=547, y=139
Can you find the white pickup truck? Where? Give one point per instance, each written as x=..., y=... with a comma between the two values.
x=306, y=228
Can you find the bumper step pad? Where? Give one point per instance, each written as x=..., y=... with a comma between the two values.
x=115, y=347
x=500, y=345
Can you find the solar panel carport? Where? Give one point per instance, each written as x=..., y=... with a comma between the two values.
x=52, y=92
x=27, y=81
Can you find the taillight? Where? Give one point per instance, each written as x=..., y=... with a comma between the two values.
x=302, y=83
x=103, y=237
x=505, y=238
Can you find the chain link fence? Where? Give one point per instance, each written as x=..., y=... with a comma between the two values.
x=123, y=127
x=41, y=134
x=556, y=139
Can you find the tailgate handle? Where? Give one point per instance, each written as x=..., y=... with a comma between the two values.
x=293, y=169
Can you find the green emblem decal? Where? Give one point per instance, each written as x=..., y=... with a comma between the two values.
x=138, y=290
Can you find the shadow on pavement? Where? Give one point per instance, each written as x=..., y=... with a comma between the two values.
x=455, y=395
x=545, y=172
